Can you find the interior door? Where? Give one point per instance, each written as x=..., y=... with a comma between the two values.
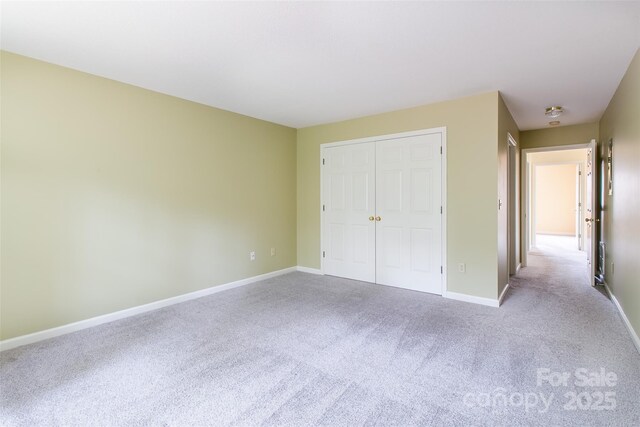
x=348, y=211
x=408, y=213
x=590, y=238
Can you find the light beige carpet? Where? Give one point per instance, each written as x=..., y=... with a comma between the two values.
x=310, y=350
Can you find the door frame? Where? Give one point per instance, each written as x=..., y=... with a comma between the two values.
x=512, y=196
x=525, y=181
x=443, y=186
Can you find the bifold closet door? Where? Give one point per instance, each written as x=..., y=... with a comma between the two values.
x=408, y=213
x=349, y=208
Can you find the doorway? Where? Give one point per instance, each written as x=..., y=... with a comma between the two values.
x=558, y=202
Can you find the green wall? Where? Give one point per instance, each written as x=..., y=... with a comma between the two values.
x=621, y=122
x=506, y=192
x=128, y=196
x=563, y=135
x=472, y=173
x=115, y=196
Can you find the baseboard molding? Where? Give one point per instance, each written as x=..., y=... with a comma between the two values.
x=106, y=318
x=518, y=267
x=308, y=270
x=625, y=319
x=472, y=299
x=504, y=292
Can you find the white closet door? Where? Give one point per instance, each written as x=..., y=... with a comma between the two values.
x=409, y=222
x=349, y=203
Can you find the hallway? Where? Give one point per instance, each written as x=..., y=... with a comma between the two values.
x=575, y=326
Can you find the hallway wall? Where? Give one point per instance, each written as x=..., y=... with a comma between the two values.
x=556, y=199
x=557, y=136
x=621, y=210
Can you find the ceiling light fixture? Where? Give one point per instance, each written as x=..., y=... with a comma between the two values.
x=553, y=112
x=554, y=123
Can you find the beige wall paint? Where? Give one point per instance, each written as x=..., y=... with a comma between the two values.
x=114, y=196
x=621, y=121
x=506, y=248
x=574, y=156
x=578, y=155
x=472, y=168
x=556, y=199
x=557, y=136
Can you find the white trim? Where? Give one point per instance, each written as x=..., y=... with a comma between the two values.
x=472, y=299
x=443, y=174
x=559, y=147
x=442, y=130
x=524, y=210
x=634, y=336
x=322, y=154
x=133, y=311
x=309, y=270
x=443, y=198
x=504, y=292
x=518, y=268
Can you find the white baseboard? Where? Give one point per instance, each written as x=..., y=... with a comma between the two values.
x=308, y=270
x=470, y=298
x=625, y=319
x=106, y=318
x=504, y=292
x=518, y=267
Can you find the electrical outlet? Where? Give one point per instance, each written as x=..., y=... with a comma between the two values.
x=252, y=255
x=273, y=251
x=462, y=268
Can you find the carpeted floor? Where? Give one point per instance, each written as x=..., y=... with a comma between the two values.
x=303, y=350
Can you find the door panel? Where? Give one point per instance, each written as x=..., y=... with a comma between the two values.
x=408, y=234
x=382, y=216
x=389, y=191
x=390, y=246
x=421, y=249
x=349, y=201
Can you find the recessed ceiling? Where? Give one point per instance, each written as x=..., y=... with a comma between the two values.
x=306, y=63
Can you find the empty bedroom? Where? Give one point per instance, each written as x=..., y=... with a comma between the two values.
x=319, y=213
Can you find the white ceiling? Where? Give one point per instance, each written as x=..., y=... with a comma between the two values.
x=303, y=63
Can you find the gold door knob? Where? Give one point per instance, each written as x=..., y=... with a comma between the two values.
x=371, y=218
x=378, y=218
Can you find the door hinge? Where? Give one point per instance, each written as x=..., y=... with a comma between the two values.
x=323, y=254
x=441, y=270
x=323, y=161
x=441, y=149
x=440, y=210
x=322, y=208
x=579, y=173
